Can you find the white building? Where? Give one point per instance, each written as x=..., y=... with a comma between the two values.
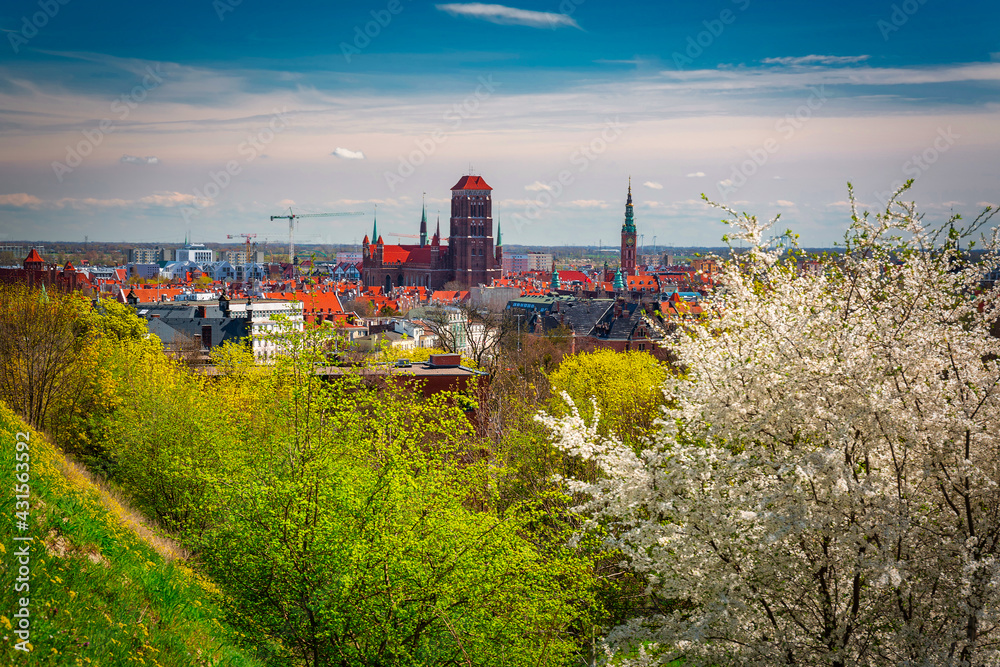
x=532, y=261
x=195, y=252
x=349, y=257
x=262, y=327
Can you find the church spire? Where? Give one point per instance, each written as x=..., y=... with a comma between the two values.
x=423, y=224
x=375, y=224
x=499, y=237
x=629, y=225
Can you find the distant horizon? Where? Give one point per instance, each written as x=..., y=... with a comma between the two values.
x=217, y=119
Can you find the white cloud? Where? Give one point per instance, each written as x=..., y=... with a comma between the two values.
x=984, y=204
x=348, y=154
x=134, y=159
x=793, y=61
x=726, y=182
x=696, y=174
x=19, y=200
x=588, y=203
x=509, y=15
x=784, y=203
x=286, y=202
x=654, y=185
x=537, y=186
x=158, y=199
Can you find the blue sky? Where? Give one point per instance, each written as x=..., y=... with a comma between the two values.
x=204, y=118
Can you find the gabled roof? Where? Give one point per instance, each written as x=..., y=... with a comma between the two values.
x=33, y=256
x=471, y=183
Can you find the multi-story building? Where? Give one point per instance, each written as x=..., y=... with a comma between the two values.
x=146, y=255
x=194, y=252
x=532, y=261
x=354, y=257
x=470, y=257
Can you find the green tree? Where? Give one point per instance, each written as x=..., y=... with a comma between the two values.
x=626, y=388
x=41, y=336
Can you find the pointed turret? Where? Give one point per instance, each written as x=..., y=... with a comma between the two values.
x=423, y=225
x=498, y=250
x=375, y=225
x=619, y=283
x=380, y=241
x=437, y=233
x=555, y=280
x=629, y=225
x=366, y=241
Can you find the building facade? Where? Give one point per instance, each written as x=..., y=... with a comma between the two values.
x=470, y=257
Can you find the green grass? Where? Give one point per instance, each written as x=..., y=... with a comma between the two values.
x=100, y=595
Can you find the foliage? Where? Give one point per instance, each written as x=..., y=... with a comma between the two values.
x=344, y=525
x=99, y=595
x=40, y=339
x=826, y=489
x=626, y=388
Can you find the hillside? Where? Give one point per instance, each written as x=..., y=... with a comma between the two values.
x=99, y=593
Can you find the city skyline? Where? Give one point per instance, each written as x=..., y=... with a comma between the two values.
x=226, y=113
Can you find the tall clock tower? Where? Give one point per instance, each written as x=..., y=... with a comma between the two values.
x=628, y=236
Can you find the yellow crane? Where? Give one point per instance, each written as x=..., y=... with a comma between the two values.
x=247, y=237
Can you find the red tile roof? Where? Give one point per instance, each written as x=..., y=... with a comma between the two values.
x=33, y=256
x=471, y=183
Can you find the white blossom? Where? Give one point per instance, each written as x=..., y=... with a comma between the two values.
x=824, y=490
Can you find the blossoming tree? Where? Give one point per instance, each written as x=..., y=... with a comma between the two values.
x=825, y=489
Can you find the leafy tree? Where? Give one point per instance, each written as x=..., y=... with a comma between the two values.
x=825, y=491
x=355, y=526
x=625, y=387
x=41, y=336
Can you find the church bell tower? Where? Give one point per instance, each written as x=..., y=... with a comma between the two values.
x=628, y=236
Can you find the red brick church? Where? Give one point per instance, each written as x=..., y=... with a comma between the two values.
x=469, y=257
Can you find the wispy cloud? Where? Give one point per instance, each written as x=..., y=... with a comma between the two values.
x=509, y=15
x=653, y=185
x=348, y=154
x=537, y=186
x=696, y=174
x=156, y=200
x=784, y=203
x=588, y=203
x=796, y=61
x=20, y=200
x=134, y=159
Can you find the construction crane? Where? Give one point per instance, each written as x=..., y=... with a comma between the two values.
x=247, y=237
x=292, y=217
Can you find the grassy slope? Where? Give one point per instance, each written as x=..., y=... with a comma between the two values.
x=100, y=595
